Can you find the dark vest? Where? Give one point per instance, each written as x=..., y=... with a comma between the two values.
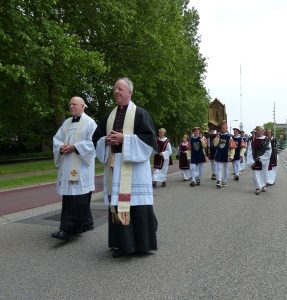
x=221, y=153
x=273, y=158
x=184, y=164
x=197, y=154
x=161, y=147
x=259, y=147
x=211, y=147
x=237, y=141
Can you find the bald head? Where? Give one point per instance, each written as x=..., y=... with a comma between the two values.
x=76, y=106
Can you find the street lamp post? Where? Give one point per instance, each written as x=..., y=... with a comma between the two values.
x=231, y=123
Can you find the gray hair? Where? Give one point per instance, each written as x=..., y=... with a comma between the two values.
x=129, y=82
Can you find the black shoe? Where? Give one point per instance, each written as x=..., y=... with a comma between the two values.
x=154, y=184
x=236, y=178
x=213, y=176
x=118, y=253
x=163, y=184
x=192, y=183
x=61, y=235
x=91, y=227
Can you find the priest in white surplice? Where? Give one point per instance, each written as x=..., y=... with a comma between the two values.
x=74, y=156
x=124, y=142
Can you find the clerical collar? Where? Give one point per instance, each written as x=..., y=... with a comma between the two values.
x=76, y=119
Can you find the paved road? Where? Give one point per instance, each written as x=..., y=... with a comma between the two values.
x=213, y=244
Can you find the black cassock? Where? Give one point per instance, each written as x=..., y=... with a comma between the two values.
x=140, y=234
x=76, y=216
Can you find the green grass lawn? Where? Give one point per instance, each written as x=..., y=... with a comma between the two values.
x=24, y=167
x=28, y=180
x=29, y=173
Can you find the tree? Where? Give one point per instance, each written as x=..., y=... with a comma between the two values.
x=42, y=65
x=54, y=49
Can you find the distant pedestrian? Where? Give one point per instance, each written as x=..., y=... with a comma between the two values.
x=225, y=149
x=184, y=158
x=74, y=155
x=162, y=158
x=211, y=152
x=243, y=160
x=272, y=167
x=239, y=152
x=198, y=144
x=258, y=157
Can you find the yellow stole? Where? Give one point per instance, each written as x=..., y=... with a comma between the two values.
x=123, y=213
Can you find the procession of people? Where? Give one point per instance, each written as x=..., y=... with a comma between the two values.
x=124, y=141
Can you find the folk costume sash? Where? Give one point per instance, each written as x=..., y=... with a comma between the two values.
x=73, y=133
x=123, y=213
x=159, y=160
x=259, y=147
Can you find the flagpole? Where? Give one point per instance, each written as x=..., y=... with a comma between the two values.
x=241, y=124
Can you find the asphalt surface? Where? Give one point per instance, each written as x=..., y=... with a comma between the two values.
x=213, y=244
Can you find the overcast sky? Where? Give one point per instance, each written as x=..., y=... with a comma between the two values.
x=250, y=34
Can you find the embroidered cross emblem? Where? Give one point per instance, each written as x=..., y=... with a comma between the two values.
x=74, y=173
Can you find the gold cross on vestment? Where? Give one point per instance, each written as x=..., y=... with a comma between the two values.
x=74, y=173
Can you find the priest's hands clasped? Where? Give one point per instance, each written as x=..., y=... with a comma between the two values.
x=67, y=149
x=114, y=138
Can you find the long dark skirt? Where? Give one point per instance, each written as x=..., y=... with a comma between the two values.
x=139, y=235
x=76, y=214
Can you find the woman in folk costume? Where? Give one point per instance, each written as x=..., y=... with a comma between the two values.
x=161, y=159
x=258, y=157
x=124, y=142
x=211, y=152
x=239, y=152
x=225, y=149
x=74, y=155
x=184, y=158
x=272, y=168
x=197, y=158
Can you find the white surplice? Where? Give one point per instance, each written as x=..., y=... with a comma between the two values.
x=87, y=154
x=137, y=152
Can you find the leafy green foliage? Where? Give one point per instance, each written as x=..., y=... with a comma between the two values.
x=51, y=50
